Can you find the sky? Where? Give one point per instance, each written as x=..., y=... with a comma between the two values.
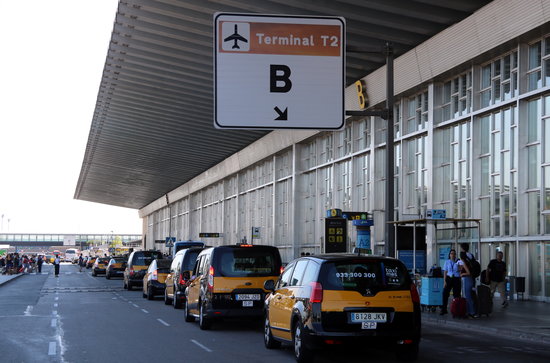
x=52, y=58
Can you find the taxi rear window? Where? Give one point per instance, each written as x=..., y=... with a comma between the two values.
x=145, y=260
x=364, y=276
x=243, y=262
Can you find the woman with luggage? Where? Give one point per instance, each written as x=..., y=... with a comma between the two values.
x=451, y=280
x=468, y=284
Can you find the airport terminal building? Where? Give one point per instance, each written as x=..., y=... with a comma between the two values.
x=471, y=137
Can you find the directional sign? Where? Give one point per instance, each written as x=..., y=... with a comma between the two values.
x=279, y=72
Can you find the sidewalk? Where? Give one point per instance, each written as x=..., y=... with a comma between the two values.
x=526, y=320
x=7, y=278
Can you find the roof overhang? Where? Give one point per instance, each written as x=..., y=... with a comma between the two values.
x=152, y=129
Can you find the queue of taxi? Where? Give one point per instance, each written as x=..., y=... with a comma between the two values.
x=313, y=303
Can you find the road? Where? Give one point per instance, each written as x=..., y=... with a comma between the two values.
x=80, y=318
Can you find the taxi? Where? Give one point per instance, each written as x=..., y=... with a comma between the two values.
x=228, y=281
x=180, y=273
x=100, y=265
x=137, y=265
x=90, y=262
x=115, y=267
x=335, y=299
x=155, y=277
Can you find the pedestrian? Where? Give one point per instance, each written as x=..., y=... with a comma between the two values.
x=56, y=263
x=496, y=274
x=451, y=280
x=80, y=263
x=467, y=284
x=39, y=263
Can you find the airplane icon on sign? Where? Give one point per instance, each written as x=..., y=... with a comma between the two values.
x=235, y=37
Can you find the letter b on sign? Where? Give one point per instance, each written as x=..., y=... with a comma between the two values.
x=279, y=78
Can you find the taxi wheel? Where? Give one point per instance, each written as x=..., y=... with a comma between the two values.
x=176, y=303
x=107, y=276
x=188, y=317
x=150, y=295
x=93, y=273
x=269, y=341
x=204, y=322
x=129, y=285
x=166, y=299
x=301, y=352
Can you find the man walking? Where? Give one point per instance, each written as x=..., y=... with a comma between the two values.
x=80, y=263
x=496, y=274
x=56, y=263
x=39, y=263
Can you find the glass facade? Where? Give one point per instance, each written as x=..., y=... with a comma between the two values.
x=473, y=143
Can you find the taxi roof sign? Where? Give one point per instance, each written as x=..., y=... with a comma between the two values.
x=279, y=71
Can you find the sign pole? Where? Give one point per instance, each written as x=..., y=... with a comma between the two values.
x=390, y=203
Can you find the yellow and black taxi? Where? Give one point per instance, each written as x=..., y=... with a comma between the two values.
x=336, y=299
x=153, y=281
x=100, y=265
x=137, y=265
x=180, y=273
x=90, y=262
x=115, y=267
x=228, y=281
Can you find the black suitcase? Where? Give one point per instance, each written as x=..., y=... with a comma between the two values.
x=484, y=301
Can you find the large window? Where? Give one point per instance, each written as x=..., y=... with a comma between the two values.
x=417, y=113
x=456, y=97
x=499, y=80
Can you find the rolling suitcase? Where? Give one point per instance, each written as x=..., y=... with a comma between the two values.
x=484, y=301
x=458, y=307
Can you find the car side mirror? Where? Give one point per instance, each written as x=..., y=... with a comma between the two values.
x=269, y=285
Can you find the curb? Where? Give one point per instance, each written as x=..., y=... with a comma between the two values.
x=501, y=332
x=10, y=279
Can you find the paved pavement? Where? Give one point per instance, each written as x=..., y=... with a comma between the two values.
x=7, y=278
x=525, y=320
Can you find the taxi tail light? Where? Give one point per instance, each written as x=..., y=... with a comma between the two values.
x=414, y=294
x=281, y=270
x=182, y=281
x=211, y=278
x=406, y=341
x=131, y=272
x=155, y=275
x=316, y=292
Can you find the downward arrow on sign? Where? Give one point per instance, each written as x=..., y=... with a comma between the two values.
x=283, y=115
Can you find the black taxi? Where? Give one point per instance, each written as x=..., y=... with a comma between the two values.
x=336, y=299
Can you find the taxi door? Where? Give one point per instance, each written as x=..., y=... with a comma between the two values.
x=194, y=288
x=280, y=306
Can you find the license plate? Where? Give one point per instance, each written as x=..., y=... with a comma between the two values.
x=248, y=303
x=368, y=325
x=368, y=317
x=241, y=297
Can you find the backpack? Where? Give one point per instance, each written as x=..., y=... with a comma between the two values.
x=474, y=267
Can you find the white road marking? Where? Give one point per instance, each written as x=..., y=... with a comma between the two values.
x=145, y=311
x=135, y=305
x=163, y=322
x=54, y=323
x=51, y=348
x=56, y=298
x=114, y=298
x=55, y=305
x=28, y=310
x=202, y=346
x=54, y=312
